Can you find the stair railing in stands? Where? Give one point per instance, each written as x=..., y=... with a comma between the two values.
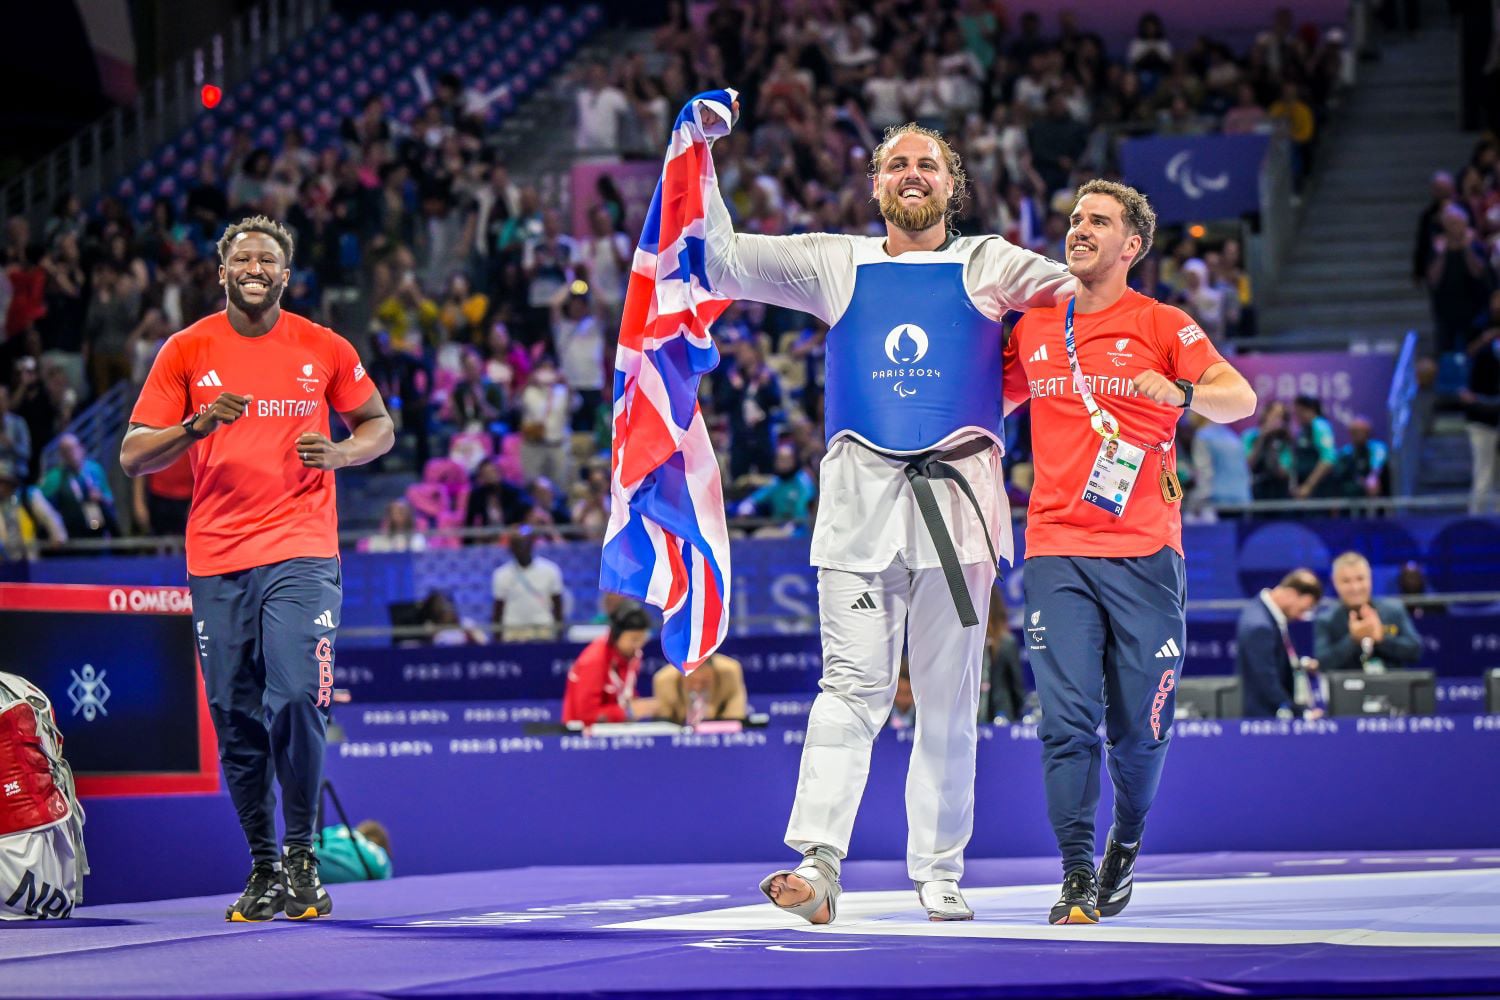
x=1406, y=434
x=98, y=424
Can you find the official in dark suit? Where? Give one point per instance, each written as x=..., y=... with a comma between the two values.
x=1364, y=632
x=1265, y=658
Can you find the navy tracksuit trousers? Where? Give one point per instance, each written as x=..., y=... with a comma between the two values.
x=265, y=642
x=1106, y=639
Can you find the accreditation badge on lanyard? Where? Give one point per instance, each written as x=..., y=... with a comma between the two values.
x=1118, y=463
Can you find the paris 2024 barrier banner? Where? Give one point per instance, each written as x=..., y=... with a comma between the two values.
x=1459, y=648
x=775, y=590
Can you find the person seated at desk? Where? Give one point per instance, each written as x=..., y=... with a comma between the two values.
x=1363, y=632
x=601, y=683
x=445, y=627
x=1265, y=658
x=715, y=691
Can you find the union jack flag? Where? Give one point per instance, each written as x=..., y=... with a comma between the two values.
x=667, y=543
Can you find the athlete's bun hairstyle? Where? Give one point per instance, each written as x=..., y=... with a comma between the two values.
x=257, y=224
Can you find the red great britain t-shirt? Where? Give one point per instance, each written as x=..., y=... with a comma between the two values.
x=254, y=503
x=1134, y=334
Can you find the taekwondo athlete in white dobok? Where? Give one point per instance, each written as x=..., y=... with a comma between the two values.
x=912, y=506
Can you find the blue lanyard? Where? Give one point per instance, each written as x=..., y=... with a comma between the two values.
x=1100, y=419
x=1068, y=335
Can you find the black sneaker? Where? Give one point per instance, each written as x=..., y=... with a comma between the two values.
x=1079, y=902
x=305, y=896
x=1116, y=877
x=262, y=897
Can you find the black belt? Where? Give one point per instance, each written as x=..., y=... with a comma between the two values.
x=921, y=470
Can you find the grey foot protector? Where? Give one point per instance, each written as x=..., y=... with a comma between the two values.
x=820, y=869
x=943, y=900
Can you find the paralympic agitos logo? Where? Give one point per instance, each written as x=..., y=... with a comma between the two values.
x=906, y=345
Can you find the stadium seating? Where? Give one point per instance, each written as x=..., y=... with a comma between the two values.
x=330, y=74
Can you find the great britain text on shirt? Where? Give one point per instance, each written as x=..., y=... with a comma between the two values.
x=1100, y=385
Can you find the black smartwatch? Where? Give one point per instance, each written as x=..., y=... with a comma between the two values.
x=192, y=431
x=1187, y=392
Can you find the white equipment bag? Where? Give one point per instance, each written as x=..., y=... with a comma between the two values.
x=42, y=860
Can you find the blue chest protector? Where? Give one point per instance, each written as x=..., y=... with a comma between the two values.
x=912, y=359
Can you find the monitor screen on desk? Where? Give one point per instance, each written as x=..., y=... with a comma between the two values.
x=1209, y=698
x=1394, y=692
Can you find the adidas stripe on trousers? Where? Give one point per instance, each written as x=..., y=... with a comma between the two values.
x=1106, y=640
x=866, y=619
x=265, y=642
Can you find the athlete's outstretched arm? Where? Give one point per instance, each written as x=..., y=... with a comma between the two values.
x=1002, y=277
x=811, y=273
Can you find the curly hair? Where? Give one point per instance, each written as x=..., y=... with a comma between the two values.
x=257, y=224
x=1139, y=217
x=951, y=158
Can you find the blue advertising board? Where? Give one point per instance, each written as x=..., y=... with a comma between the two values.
x=1196, y=178
x=775, y=590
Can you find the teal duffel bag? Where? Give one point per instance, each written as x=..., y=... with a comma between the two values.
x=346, y=855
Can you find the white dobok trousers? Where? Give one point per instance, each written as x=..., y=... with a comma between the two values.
x=866, y=618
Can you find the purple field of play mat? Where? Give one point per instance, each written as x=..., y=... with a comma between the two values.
x=1201, y=925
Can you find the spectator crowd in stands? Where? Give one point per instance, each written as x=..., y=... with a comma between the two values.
x=1457, y=258
x=489, y=326
x=1034, y=110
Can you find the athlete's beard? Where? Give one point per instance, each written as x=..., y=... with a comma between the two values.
x=257, y=309
x=914, y=219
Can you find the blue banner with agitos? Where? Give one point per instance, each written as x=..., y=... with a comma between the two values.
x=1196, y=178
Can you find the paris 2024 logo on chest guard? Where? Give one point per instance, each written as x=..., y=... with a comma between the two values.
x=906, y=345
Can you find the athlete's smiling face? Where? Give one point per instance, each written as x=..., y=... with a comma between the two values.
x=1098, y=237
x=254, y=273
x=913, y=184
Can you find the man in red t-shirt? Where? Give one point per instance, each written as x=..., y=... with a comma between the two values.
x=1108, y=374
x=601, y=683
x=246, y=394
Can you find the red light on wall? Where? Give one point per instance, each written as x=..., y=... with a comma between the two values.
x=211, y=96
